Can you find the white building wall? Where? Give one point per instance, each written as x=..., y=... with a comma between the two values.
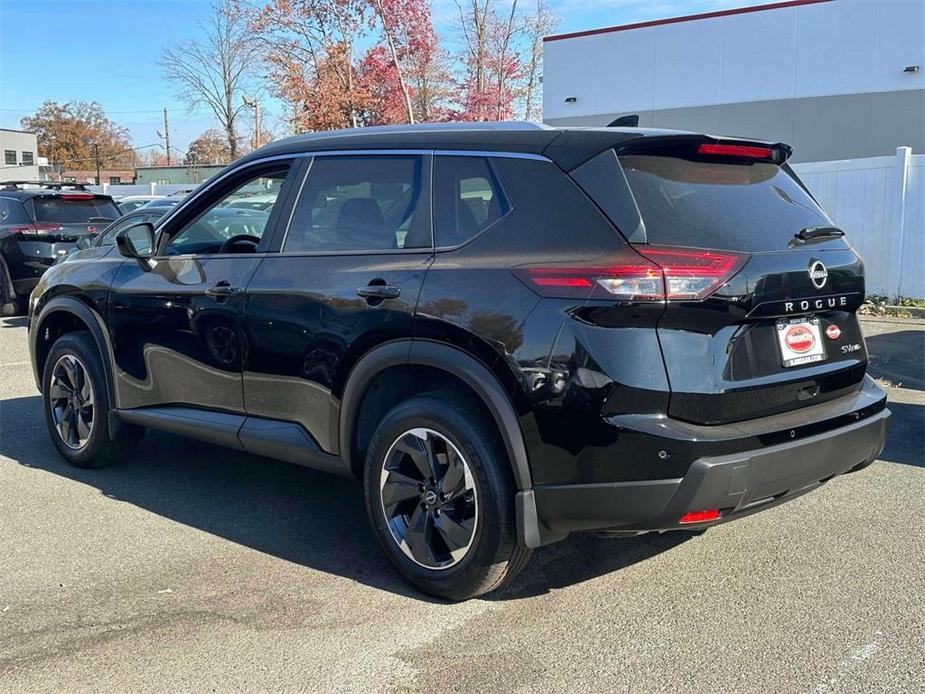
x=18, y=141
x=822, y=49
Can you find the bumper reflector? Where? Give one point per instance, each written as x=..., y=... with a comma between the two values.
x=700, y=516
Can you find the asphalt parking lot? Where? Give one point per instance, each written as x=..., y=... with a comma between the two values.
x=193, y=568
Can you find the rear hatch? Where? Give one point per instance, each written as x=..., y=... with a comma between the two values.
x=66, y=217
x=761, y=320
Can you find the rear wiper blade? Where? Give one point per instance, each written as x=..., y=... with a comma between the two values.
x=818, y=232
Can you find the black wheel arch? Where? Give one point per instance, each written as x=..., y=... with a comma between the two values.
x=71, y=312
x=481, y=381
x=443, y=357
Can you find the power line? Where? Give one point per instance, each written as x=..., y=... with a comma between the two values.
x=105, y=156
x=29, y=110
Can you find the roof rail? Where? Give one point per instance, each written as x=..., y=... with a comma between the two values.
x=48, y=185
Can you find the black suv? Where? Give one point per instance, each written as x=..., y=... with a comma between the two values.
x=509, y=332
x=39, y=223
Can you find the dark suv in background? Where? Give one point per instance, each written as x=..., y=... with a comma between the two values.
x=509, y=332
x=40, y=222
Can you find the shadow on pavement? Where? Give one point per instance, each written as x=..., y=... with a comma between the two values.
x=291, y=512
x=14, y=322
x=898, y=357
x=905, y=442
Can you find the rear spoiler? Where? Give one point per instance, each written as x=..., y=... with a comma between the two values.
x=777, y=152
x=48, y=185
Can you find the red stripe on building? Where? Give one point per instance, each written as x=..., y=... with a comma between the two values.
x=687, y=18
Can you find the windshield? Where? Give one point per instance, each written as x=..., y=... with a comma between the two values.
x=753, y=206
x=60, y=210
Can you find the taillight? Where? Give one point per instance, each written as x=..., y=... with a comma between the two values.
x=37, y=229
x=691, y=273
x=746, y=151
x=638, y=273
x=77, y=196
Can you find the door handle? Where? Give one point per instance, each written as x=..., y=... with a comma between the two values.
x=379, y=291
x=223, y=289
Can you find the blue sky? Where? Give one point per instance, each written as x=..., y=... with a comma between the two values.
x=107, y=51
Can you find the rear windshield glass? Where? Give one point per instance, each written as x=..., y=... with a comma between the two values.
x=755, y=206
x=61, y=211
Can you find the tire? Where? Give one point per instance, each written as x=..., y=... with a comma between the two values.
x=469, y=545
x=90, y=442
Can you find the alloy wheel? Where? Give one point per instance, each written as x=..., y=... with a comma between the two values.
x=71, y=400
x=429, y=498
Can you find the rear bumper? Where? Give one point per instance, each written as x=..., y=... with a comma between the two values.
x=737, y=484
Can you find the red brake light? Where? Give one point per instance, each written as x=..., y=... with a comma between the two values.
x=638, y=273
x=37, y=229
x=77, y=196
x=627, y=277
x=691, y=273
x=736, y=151
x=699, y=516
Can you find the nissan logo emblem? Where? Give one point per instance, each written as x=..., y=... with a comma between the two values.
x=818, y=274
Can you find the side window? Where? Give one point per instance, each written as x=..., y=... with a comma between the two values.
x=467, y=199
x=360, y=203
x=12, y=212
x=213, y=230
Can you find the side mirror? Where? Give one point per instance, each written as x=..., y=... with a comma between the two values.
x=137, y=241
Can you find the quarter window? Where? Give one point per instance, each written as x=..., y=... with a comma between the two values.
x=360, y=203
x=467, y=199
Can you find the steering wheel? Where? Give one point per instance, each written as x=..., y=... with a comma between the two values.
x=237, y=238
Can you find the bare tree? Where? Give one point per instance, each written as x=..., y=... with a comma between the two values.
x=215, y=71
x=536, y=26
x=507, y=60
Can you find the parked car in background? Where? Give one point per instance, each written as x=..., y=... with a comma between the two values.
x=162, y=203
x=508, y=332
x=40, y=222
x=133, y=202
x=253, y=202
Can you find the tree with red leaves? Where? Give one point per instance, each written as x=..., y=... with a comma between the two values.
x=309, y=46
x=406, y=76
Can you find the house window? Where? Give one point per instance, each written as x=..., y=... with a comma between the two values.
x=9, y=156
x=115, y=180
x=27, y=159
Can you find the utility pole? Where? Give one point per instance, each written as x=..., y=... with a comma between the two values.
x=167, y=136
x=254, y=104
x=96, y=153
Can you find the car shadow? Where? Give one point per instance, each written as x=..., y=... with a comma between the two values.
x=905, y=442
x=294, y=513
x=898, y=357
x=14, y=322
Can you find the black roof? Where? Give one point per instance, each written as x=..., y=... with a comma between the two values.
x=568, y=147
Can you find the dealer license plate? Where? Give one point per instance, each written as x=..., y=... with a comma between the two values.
x=800, y=341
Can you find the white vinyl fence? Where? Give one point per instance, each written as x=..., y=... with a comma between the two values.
x=123, y=189
x=880, y=203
